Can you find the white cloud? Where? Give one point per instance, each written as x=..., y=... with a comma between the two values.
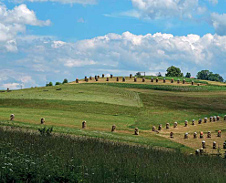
x=13, y=22
x=219, y=23
x=83, y=2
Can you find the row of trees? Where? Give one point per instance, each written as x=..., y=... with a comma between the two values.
x=204, y=74
x=57, y=83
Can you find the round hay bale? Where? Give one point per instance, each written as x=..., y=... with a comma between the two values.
x=136, y=132
x=200, y=121
x=117, y=79
x=209, y=134
x=224, y=145
x=167, y=126
x=97, y=79
x=90, y=78
x=42, y=121
x=183, y=81
x=157, y=80
x=195, y=135
x=201, y=150
x=219, y=133
x=205, y=120
x=214, y=145
x=130, y=76
x=164, y=80
x=102, y=75
x=178, y=81
x=171, y=134
x=135, y=79
x=160, y=127
x=143, y=79
x=197, y=152
x=198, y=84
x=107, y=79
x=84, y=124
x=153, y=128
x=172, y=80
x=111, y=76
x=225, y=117
x=77, y=81
x=218, y=118
x=214, y=118
x=193, y=122
x=192, y=83
x=12, y=116
x=203, y=144
x=185, y=123
x=186, y=136
x=85, y=78
x=201, y=135
x=152, y=80
x=98, y=76
x=175, y=125
x=211, y=119
x=113, y=128
x=123, y=79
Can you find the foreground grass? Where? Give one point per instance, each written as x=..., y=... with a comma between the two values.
x=27, y=157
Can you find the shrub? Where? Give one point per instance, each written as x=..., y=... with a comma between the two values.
x=65, y=81
x=45, y=131
x=57, y=83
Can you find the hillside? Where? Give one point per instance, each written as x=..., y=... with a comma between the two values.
x=126, y=104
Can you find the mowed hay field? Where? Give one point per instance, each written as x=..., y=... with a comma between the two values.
x=125, y=104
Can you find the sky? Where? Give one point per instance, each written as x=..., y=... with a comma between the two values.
x=49, y=40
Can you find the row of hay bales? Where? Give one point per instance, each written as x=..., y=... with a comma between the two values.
x=123, y=79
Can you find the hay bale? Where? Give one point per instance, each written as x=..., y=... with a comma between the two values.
x=102, y=75
x=183, y=81
x=130, y=76
x=175, y=125
x=85, y=78
x=195, y=135
x=192, y=83
x=201, y=150
x=98, y=76
x=157, y=80
x=111, y=76
x=178, y=81
x=160, y=127
x=218, y=118
x=135, y=79
x=197, y=152
x=200, y=121
x=77, y=81
x=214, y=118
x=203, y=144
x=42, y=121
x=153, y=128
x=185, y=123
x=214, y=145
x=219, y=133
x=143, y=79
x=171, y=134
x=167, y=126
x=186, y=136
x=201, y=135
x=211, y=118
x=12, y=116
x=225, y=117
x=205, y=120
x=193, y=122
x=224, y=145
x=152, y=80
x=172, y=80
x=107, y=79
x=198, y=84
x=123, y=79
x=97, y=79
x=84, y=124
x=117, y=79
x=113, y=128
x=136, y=132
x=209, y=134
x=90, y=78
x=164, y=80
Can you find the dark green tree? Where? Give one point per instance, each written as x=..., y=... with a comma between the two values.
x=174, y=72
x=50, y=84
x=58, y=83
x=203, y=74
x=65, y=81
x=188, y=75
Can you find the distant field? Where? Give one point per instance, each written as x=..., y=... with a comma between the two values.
x=127, y=105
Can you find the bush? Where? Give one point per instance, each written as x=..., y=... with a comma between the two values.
x=57, y=83
x=65, y=81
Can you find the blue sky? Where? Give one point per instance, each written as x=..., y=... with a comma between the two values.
x=42, y=40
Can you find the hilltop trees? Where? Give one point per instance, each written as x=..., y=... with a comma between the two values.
x=207, y=75
x=65, y=81
x=174, y=72
x=188, y=75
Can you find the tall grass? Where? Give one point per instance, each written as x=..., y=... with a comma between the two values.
x=28, y=157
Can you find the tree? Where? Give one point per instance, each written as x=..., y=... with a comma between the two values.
x=50, y=84
x=58, y=83
x=65, y=81
x=207, y=75
x=188, y=75
x=159, y=74
x=174, y=72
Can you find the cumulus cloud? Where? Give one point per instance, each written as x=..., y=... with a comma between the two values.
x=13, y=22
x=219, y=23
x=83, y=2
x=50, y=60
